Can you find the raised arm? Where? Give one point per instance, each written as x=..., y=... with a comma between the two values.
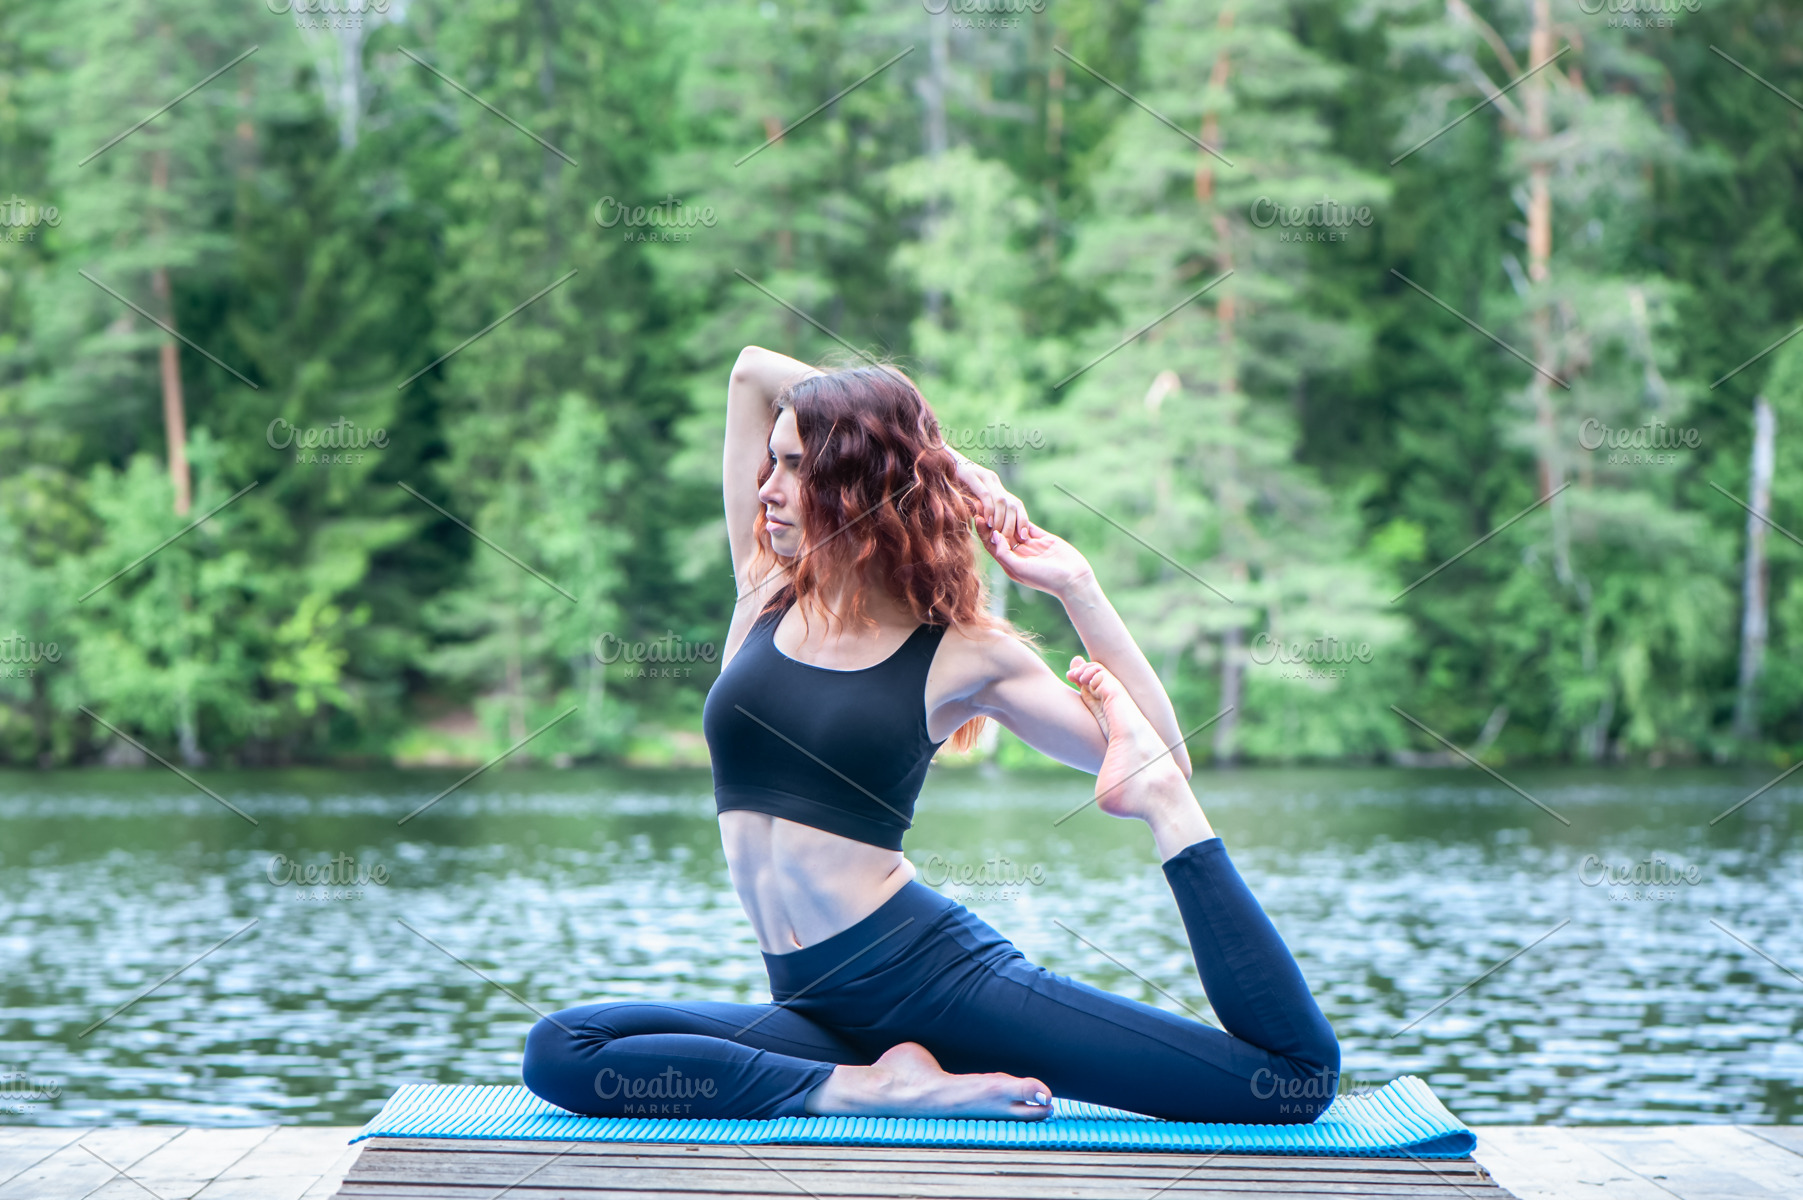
x=1050, y=564
x=1106, y=638
x=757, y=377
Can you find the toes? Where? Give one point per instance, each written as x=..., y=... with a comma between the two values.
x=1082, y=673
x=1108, y=689
x=1033, y=1100
x=1094, y=704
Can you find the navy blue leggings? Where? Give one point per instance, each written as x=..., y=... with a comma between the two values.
x=924, y=969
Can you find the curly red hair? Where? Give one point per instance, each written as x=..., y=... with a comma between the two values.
x=879, y=493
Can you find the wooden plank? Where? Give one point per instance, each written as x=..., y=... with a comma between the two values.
x=498, y=1170
x=530, y=1188
x=73, y=1171
x=23, y=1146
x=1701, y=1162
x=925, y=1159
x=1785, y=1137
x=402, y=1169
x=328, y=1184
x=1545, y=1162
x=187, y=1163
x=927, y=1164
x=286, y=1165
x=1057, y=1160
x=540, y=1189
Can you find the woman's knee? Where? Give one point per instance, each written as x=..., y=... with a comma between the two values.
x=559, y=1062
x=1316, y=1052
x=574, y=1036
x=551, y=1049
x=1299, y=1089
x=560, y=1046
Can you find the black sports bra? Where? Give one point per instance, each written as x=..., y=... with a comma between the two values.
x=842, y=751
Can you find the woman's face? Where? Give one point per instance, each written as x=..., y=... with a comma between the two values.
x=781, y=493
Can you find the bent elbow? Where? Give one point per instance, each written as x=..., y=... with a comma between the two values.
x=744, y=368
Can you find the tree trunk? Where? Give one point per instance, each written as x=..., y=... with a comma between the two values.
x=1540, y=252
x=516, y=685
x=1054, y=148
x=989, y=741
x=932, y=90
x=1233, y=677
x=1233, y=664
x=1217, y=78
x=175, y=421
x=187, y=731
x=1753, y=614
x=40, y=720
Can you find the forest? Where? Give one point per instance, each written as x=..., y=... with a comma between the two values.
x=1418, y=375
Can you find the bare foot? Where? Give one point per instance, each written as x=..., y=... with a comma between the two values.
x=1138, y=777
x=908, y=1082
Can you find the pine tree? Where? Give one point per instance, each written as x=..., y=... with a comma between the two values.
x=555, y=422
x=1183, y=437
x=1616, y=576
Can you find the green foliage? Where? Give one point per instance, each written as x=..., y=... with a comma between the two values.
x=1313, y=436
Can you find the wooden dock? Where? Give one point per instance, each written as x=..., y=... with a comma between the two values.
x=1689, y=1162
x=172, y=1162
x=408, y=1169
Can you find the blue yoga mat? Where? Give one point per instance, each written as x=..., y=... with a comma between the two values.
x=1399, y=1120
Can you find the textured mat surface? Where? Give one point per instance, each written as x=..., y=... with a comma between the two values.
x=1401, y=1119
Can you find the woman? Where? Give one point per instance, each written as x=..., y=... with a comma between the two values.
x=860, y=644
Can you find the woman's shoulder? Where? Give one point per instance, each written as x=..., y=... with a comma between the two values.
x=990, y=632
x=986, y=653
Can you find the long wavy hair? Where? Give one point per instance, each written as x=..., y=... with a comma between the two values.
x=879, y=498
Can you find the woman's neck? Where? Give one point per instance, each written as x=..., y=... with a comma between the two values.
x=880, y=606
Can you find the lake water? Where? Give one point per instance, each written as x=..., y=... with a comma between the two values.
x=1395, y=889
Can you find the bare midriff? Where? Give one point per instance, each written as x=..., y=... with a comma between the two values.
x=801, y=885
